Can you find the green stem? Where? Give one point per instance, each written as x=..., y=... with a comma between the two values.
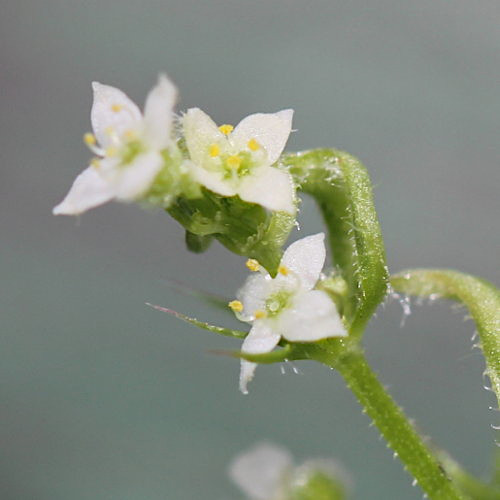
x=394, y=426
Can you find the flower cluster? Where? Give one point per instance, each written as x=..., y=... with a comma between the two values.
x=154, y=157
x=140, y=153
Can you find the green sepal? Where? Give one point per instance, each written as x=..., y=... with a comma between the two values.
x=244, y=228
x=316, y=485
x=227, y=332
x=340, y=185
x=196, y=243
x=481, y=298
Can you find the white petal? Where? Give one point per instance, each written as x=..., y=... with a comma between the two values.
x=259, y=471
x=104, y=119
x=133, y=180
x=312, y=316
x=89, y=190
x=269, y=187
x=261, y=339
x=158, y=113
x=305, y=258
x=253, y=294
x=213, y=181
x=200, y=131
x=270, y=130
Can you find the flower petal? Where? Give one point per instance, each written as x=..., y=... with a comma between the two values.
x=270, y=187
x=89, y=190
x=253, y=295
x=305, y=258
x=112, y=110
x=132, y=180
x=200, y=131
x=260, y=339
x=158, y=113
x=270, y=130
x=259, y=471
x=312, y=316
x=212, y=180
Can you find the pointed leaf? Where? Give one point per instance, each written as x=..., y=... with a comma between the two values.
x=227, y=332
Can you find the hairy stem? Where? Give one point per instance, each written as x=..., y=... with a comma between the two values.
x=418, y=459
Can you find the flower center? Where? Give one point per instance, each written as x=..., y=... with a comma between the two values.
x=278, y=301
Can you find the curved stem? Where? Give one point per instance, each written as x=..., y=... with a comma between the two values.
x=394, y=426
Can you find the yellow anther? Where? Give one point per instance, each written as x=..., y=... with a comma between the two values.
x=109, y=130
x=89, y=139
x=95, y=162
x=253, y=145
x=233, y=161
x=259, y=314
x=116, y=108
x=236, y=305
x=130, y=134
x=226, y=129
x=253, y=265
x=111, y=151
x=214, y=150
x=284, y=270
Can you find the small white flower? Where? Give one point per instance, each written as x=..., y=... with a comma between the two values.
x=261, y=471
x=128, y=145
x=286, y=306
x=267, y=472
x=238, y=162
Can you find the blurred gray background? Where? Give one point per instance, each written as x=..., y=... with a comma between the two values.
x=102, y=397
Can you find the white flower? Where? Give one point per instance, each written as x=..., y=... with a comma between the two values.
x=267, y=472
x=238, y=162
x=261, y=471
x=128, y=145
x=286, y=306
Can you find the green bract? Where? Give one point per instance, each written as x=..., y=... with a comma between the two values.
x=244, y=228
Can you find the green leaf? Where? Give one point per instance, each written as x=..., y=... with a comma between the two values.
x=340, y=185
x=227, y=332
x=244, y=228
x=481, y=298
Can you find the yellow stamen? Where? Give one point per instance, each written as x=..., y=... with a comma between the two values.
x=116, y=108
x=226, y=129
x=253, y=265
x=283, y=270
x=111, y=151
x=253, y=145
x=130, y=134
x=236, y=305
x=109, y=130
x=259, y=314
x=233, y=161
x=89, y=139
x=95, y=162
x=214, y=150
